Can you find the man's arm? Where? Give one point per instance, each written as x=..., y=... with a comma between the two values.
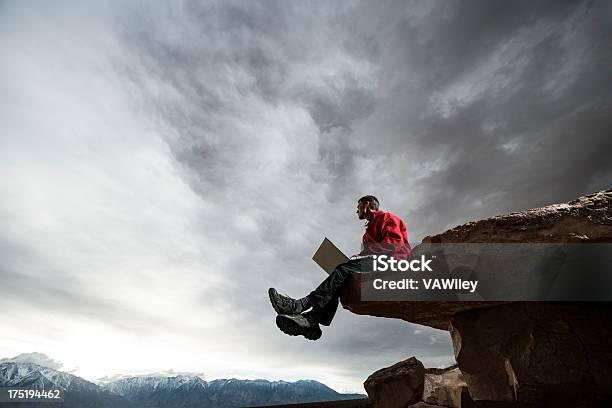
x=391, y=238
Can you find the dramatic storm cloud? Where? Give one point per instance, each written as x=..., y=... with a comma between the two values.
x=163, y=165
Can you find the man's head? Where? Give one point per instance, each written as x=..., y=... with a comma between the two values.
x=365, y=205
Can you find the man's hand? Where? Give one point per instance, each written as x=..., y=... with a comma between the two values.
x=360, y=256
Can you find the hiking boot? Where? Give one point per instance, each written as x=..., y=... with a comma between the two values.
x=299, y=325
x=284, y=304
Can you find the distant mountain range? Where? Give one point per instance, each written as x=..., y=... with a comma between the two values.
x=162, y=392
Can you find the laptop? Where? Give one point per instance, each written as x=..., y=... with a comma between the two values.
x=328, y=256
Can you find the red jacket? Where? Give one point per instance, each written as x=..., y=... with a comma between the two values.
x=386, y=234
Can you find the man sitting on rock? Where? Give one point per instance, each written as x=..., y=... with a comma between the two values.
x=385, y=234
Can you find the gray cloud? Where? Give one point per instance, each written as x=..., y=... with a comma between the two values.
x=183, y=158
x=506, y=102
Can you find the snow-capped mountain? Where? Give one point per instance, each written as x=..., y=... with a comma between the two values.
x=78, y=393
x=13, y=374
x=186, y=391
x=148, y=384
x=180, y=391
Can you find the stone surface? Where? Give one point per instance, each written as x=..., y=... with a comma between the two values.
x=586, y=219
x=434, y=314
x=535, y=353
x=397, y=386
x=446, y=387
x=425, y=405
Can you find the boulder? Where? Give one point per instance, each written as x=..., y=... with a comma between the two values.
x=446, y=387
x=397, y=386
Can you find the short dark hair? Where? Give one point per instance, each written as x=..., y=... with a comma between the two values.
x=370, y=199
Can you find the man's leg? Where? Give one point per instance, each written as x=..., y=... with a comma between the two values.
x=324, y=299
x=324, y=302
x=326, y=315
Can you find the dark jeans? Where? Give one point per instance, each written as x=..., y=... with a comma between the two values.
x=325, y=297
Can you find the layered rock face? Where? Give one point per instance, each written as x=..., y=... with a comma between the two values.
x=536, y=353
x=523, y=353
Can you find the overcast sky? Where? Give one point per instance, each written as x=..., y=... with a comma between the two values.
x=163, y=165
